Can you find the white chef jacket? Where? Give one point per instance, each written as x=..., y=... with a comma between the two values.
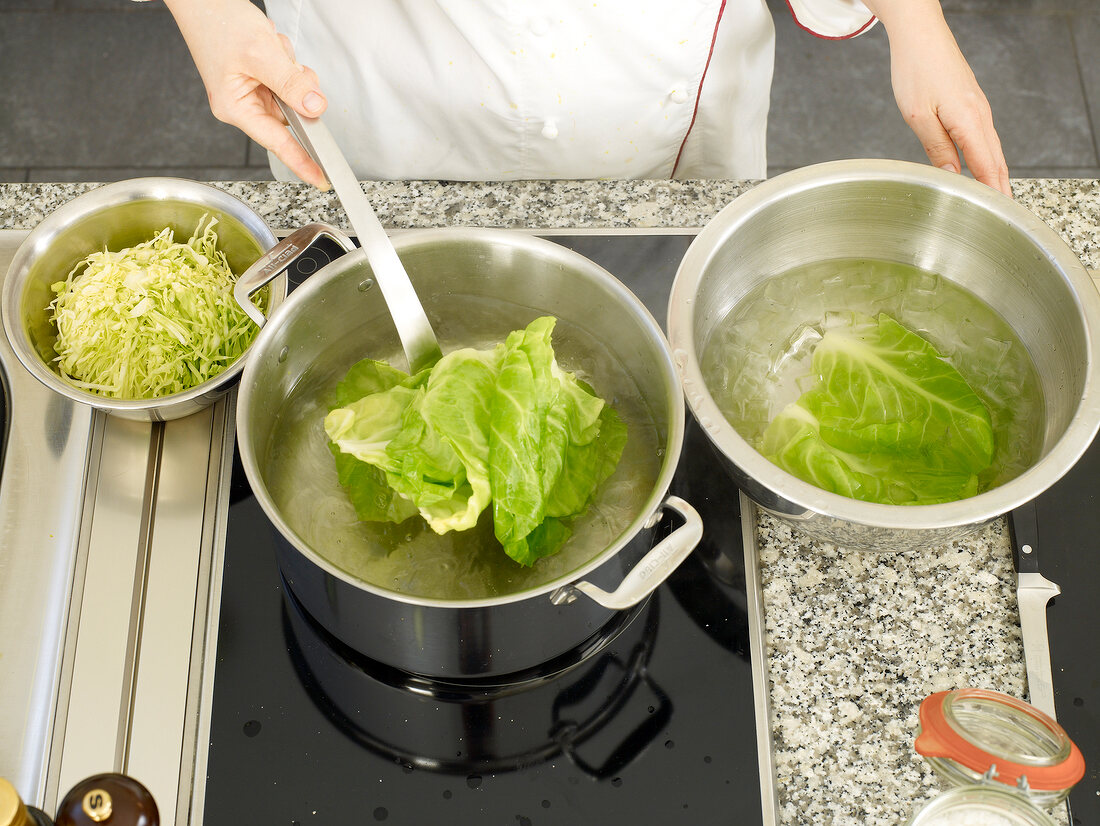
x=528, y=89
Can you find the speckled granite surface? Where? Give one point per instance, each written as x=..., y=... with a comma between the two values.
x=408, y=204
x=1071, y=206
x=855, y=640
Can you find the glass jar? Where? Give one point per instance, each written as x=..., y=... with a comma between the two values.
x=1006, y=759
x=981, y=805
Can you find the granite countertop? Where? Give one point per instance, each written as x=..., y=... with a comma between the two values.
x=855, y=641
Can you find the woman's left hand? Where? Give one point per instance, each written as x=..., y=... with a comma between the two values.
x=937, y=92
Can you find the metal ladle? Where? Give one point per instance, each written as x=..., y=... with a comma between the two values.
x=413, y=328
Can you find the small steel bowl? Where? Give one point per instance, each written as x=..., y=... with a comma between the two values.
x=117, y=216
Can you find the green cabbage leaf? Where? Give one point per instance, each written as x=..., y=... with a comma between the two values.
x=888, y=420
x=505, y=426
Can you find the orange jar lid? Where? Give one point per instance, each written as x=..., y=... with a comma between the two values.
x=974, y=732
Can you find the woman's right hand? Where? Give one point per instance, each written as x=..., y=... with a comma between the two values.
x=244, y=63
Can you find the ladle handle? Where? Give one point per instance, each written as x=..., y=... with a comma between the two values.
x=651, y=570
x=413, y=328
x=272, y=263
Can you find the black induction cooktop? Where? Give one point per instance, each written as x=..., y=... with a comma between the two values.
x=1068, y=521
x=657, y=726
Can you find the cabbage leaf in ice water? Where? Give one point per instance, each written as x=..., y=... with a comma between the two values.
x=888, y=420
x=505, y=426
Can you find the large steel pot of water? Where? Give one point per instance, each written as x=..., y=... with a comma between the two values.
x=918, y=216
x=476, y=286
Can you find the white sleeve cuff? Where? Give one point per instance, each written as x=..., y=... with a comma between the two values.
x=832, y=19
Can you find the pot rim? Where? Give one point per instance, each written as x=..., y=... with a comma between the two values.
x=94, y=201
x=407, y=240
x=1062, y=455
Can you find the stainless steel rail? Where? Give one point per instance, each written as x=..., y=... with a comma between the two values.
x=108, y=531
x=49, y=447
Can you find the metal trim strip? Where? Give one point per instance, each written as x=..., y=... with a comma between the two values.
x=141, y=588
x=52, y=767
x=175, y=588
x=769, y=793
x=97, y=714
x=203, y=668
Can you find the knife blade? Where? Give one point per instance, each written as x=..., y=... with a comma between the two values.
x=1033, y=592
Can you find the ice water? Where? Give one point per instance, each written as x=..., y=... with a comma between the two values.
x=758, y=358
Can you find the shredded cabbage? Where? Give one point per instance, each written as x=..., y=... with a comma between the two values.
x=151, y=320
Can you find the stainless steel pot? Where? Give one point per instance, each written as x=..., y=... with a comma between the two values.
x=117, y=216
x=915, y=215
x=474, y=284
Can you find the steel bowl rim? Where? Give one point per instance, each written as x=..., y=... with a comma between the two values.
x=411, y=239
x=96, y=200
x=1062, y=455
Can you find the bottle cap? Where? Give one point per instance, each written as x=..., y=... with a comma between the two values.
x=110, y=799
x=12, y=810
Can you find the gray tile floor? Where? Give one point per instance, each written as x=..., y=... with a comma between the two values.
x=98, y=90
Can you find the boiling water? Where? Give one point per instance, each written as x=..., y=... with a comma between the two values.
x=758, y=359
x=410, y=557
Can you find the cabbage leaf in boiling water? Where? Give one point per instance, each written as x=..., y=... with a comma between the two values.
x=888, y=420
x=507, y=427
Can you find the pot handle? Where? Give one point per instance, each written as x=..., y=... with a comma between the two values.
x=277, y=259
x=651, y=570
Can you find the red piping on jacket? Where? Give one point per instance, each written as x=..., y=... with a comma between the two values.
x=699, y=90
x=858, y=31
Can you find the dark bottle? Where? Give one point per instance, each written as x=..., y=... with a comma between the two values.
x=14, y=812
x=110, y=799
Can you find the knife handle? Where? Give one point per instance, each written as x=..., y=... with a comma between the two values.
x=1032, y=595
x=1024, y=527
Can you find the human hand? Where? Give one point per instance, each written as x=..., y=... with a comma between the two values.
x=244, y=63
x=937, y=92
